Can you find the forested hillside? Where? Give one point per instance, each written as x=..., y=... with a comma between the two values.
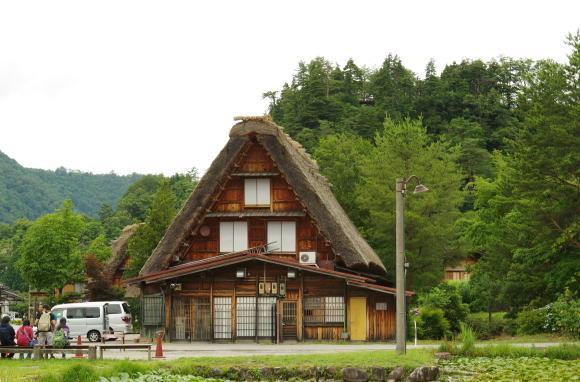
x=496, y=142
x=29, y=193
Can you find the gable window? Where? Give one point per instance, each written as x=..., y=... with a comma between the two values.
x=282, y=236
x=257, y=192
x=233, y=236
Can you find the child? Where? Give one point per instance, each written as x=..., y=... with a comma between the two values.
x=61, y=335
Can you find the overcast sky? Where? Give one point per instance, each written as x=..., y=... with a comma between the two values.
x=152, y=86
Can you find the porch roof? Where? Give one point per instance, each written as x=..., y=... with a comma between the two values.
x=235, y=258
x=8, y=294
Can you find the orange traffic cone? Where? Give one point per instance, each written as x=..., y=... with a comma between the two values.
x=79, y=342
x=159, y=347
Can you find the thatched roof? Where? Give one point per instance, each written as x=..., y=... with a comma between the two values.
x=7, y=294
x=302, y=174
x=119, y=248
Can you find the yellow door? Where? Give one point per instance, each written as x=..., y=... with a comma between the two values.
x=358, y=318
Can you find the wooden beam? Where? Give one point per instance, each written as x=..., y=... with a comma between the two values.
x=211, y=312
x=300, y=310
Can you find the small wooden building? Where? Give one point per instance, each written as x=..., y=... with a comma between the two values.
x=263, y=251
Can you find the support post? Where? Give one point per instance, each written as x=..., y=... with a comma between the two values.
x=400, y=266
x=92, y=353
x=37, y=352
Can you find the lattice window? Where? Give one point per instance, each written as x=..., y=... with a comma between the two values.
x=324, y=310
x=266, y=314
x=222, y=321
x=246, y=317
x=153, y=310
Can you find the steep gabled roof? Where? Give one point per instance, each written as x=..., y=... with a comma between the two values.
x=302, y=174
x=119, y=248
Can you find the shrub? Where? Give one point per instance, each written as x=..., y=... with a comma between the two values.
x=563, y=315
x=532, y=321
x=484, y=329
x=446, y=297
x=431, y=323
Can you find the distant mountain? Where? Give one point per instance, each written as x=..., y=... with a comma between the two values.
x=29, y=193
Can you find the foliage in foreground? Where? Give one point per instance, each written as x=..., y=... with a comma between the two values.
x=160, y=376
x=509, y=369
x=563, y=351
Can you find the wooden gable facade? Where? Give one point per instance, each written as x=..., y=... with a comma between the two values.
x=262, y=251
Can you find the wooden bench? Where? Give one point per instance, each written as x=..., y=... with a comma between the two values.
x=90, y=350
x=104, y=347
x=38, y=351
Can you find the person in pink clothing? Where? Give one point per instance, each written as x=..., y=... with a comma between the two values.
x=25, y=337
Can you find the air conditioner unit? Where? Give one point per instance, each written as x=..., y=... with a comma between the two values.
x=308, y=258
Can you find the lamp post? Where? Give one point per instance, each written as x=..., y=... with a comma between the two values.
x=401, y=191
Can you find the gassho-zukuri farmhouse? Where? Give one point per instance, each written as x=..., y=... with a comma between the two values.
x=262, y=250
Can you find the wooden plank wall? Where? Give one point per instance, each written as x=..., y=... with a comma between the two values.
x=222, y=283
x=307, y=239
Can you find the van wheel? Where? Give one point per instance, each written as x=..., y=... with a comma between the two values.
x=94, y=336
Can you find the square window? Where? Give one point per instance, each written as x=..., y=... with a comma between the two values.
x=233, y=236
x=257, y=192
x=282, y=236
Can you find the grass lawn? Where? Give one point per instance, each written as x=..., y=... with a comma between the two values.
x=15, y=370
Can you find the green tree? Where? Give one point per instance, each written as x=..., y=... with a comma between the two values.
x=393, y=88
x=405, y=149
x=474, y=158
x=50, y=255
x=527, y=218
x=142, y=244
x=341, y=158
x=10, y=254
x=182, y=186
x=136, y=202
x=101, y=248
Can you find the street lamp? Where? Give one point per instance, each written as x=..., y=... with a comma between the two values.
x=401, y=192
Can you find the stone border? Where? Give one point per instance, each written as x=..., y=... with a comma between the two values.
x=317, y=373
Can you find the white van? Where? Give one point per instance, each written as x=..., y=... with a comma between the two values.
x=90, y=319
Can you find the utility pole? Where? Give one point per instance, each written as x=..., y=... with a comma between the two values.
x=400, y=266
x=400, y=262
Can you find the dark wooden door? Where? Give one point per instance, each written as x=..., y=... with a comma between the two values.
x=289, y=308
